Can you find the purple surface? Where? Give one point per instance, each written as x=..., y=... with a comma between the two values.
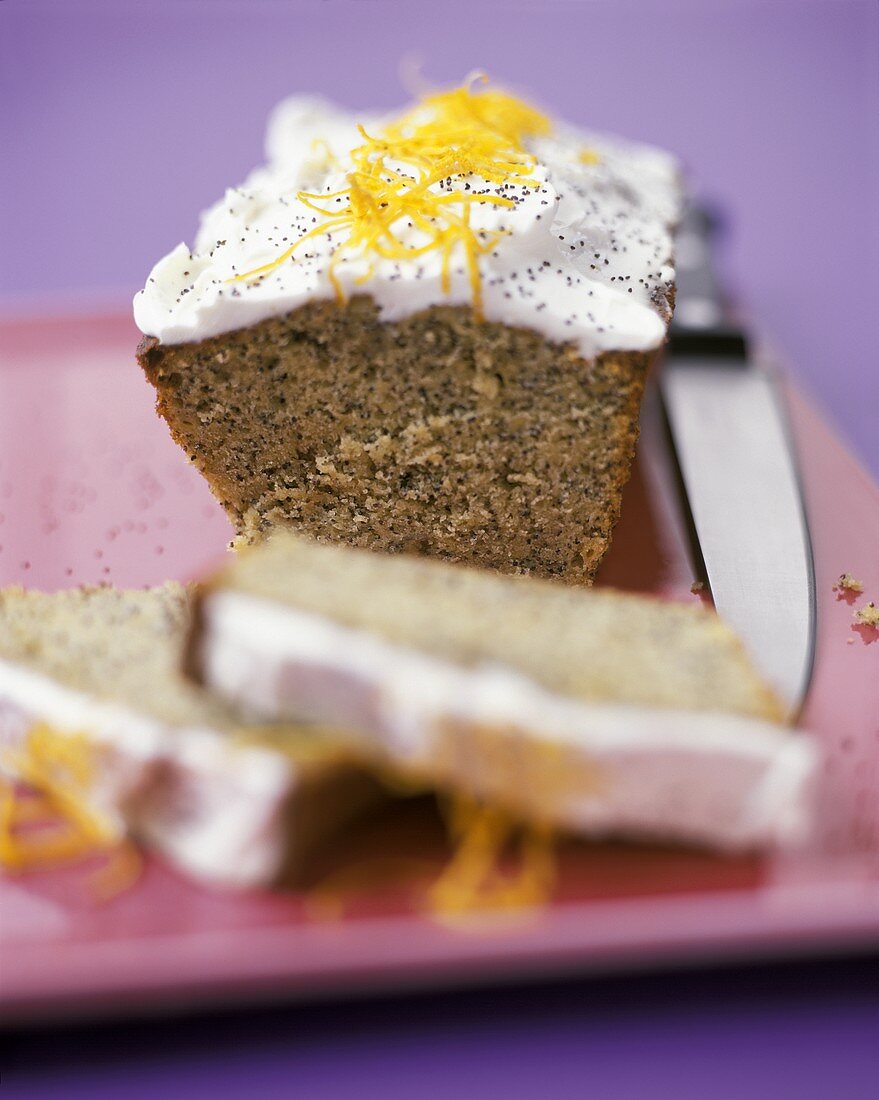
x=805, y=1032
x=119, y=122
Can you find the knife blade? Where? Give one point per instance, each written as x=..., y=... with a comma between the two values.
x=735, y=452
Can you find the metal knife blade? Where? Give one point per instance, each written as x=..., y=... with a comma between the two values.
x=736, y=457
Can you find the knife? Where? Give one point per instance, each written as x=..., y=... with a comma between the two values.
x=735, y=452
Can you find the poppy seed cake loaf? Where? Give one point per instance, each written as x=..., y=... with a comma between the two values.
x=430, y=333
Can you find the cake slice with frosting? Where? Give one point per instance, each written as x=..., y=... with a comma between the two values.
x=95, y=714
x=428, y=331
x=597, y=712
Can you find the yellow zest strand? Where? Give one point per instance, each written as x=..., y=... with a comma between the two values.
x=55, y=843
x=473, y=885
x=8, y=850
x=323, y=153
x=60, y=765
x=453, y=135
x=65, y=828
x=36, y=809
x=472, y=891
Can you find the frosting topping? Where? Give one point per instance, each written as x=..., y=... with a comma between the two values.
x=472, y=197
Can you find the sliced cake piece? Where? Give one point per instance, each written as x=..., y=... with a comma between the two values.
x=92, y=698
x=599, y=712
x=429, y=333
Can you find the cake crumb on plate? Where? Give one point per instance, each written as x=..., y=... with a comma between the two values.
x=868, y=615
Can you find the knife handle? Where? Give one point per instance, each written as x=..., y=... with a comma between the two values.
x=701, y=323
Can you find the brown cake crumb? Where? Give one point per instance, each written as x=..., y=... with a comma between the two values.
x=868, y=615
x=847, y=583
x=697, y=588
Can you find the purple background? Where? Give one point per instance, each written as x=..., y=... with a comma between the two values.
x=119, y=122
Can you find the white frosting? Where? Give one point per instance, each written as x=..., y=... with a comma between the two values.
x=587, y=249
x=713, y=778
x=214, y=809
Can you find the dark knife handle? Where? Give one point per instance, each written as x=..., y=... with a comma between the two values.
x=702, y=324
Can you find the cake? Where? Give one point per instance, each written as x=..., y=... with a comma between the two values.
x=94, y=709
x=589, y=710
x=424, y=332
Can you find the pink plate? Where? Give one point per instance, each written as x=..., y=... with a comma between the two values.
x=92, y=489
